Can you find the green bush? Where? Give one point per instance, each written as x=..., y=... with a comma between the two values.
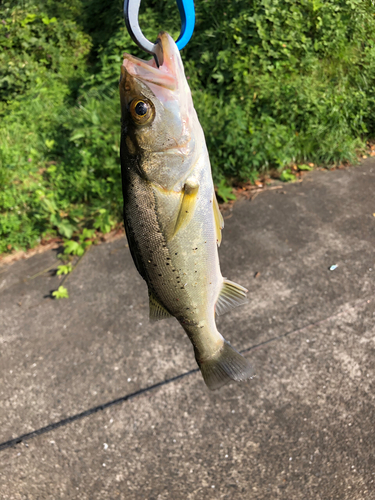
x=283, y=81
x=274, y=82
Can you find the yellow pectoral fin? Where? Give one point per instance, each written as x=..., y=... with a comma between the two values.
x=219, y=221
x=187, y=207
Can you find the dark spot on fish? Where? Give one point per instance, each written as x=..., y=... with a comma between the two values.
x=160, y=275
x=167, y=263
x=155, y=265
x=181, y=287
x=176, y=253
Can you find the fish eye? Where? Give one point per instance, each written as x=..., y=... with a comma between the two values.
x=142, y=111
x=141, y=108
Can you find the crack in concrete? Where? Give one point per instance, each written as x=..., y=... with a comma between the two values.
x=91, y=411
x=358, y=303
x=95, y=409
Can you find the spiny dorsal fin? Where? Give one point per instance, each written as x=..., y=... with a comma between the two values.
x=231, y=295
x=219, y=221
x=187, y=207
x=157, y=311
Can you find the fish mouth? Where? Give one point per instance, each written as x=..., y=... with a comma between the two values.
x=166, y=74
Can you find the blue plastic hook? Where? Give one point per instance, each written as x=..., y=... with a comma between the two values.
x=187, y=13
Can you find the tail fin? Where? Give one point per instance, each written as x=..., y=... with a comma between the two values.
x=228, y=364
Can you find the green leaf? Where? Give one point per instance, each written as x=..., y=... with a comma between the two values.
x=64, y=269
x=219, y=77
x=287, y=176
x=28, y=19
x=65, y=228
x=304, y=167
x=61, y=293
x=49, y=204
x=76, y=136
x=72, y=247
x=46, y=20
x=86, y=234
x=225, y=192
x=104, y=222
x=95, y=118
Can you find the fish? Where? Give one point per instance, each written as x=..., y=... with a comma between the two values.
x=171, y=215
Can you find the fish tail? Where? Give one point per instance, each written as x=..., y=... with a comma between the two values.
x=226, y=365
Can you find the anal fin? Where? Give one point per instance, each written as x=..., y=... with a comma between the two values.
x=231, y=295
x=157, y=311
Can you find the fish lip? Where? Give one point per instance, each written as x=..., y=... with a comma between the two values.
x=158, y=48
x=148, y=71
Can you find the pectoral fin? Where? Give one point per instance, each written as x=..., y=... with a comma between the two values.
x=219, y=221
x=231, y=295
x=157, y=311
x=187, y=207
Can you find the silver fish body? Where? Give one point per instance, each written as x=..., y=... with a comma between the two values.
x=172, y=220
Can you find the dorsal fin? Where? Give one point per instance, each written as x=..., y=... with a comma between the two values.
x=157, y=311
x=219, y=221
x=231, y=295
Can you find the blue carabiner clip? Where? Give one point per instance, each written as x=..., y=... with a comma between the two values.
x=187, y=13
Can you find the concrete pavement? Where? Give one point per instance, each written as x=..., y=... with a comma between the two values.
x=303, y=428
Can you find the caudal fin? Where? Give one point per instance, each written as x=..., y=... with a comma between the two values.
x=228, y=364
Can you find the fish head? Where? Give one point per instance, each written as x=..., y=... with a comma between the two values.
x=159, y=123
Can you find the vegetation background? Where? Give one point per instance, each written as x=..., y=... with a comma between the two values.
x=274, y=82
